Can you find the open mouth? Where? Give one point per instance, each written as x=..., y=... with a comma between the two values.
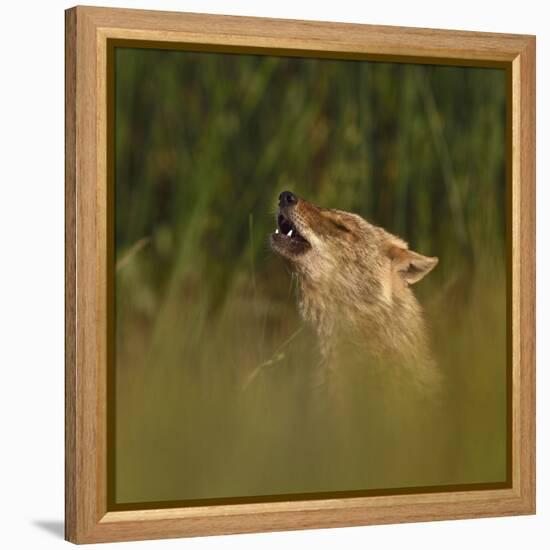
x=287, y=230
x=287, y=240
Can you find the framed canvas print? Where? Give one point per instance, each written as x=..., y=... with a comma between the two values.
x=300, y=263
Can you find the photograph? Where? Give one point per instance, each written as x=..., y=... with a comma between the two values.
x=311, y=281
x=271, y=275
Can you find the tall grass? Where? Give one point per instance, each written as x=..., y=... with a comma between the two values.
x=225, y=406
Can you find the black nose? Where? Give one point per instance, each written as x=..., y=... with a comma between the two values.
x=286, y=198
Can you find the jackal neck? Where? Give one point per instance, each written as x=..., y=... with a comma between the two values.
x=392, y=330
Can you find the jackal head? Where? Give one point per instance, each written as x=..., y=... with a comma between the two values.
x=344, y=251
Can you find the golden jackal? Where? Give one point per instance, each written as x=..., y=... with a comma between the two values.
x=354, y=285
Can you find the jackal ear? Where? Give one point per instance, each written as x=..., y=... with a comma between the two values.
x=410, y=265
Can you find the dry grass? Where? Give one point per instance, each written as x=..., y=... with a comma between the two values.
x=224, y=404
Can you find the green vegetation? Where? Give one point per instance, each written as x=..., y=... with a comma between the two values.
x=213, y=364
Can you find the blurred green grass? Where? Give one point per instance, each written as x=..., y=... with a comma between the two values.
x=214, y=368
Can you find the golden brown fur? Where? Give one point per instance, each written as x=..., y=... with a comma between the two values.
x=355, y=287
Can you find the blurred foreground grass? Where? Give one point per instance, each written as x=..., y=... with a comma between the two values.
x=219, y=406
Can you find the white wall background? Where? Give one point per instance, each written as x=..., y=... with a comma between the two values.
x=31, y=270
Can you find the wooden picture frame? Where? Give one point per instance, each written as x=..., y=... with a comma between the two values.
x=88, y=253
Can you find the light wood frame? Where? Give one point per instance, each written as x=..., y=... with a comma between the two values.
x=87, y=31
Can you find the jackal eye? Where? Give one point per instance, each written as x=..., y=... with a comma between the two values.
x=341, y=226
